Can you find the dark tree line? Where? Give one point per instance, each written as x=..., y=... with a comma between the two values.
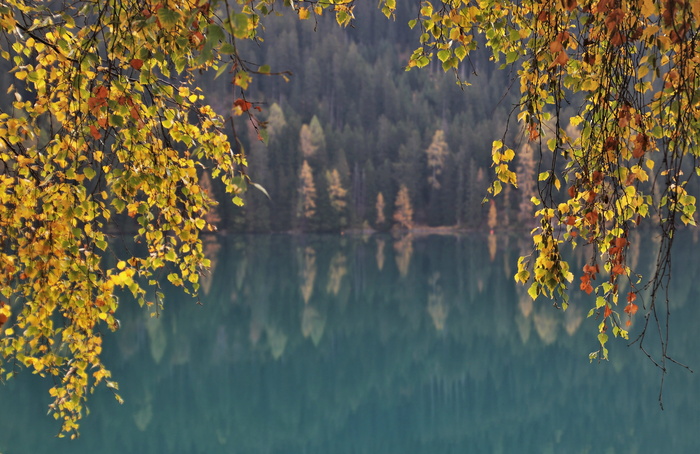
x=364, y=127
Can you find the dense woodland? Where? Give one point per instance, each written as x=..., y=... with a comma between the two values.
x=349, y=127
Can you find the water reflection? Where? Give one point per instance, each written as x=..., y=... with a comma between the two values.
x=325, y=344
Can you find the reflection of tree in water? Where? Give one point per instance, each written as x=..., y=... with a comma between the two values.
x=573, y=317
x=380, y=253
x=336, y=272
x=211, y=251
x=437, y=308
x=157, y=338
x=312, y=324
x=277, y=341
x=546, y=322
x=376, y=376
x=144, y=414
x=493, y=246
x=307, y=257
x=404, y=250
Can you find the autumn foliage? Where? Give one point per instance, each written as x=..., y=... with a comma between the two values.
x=108, y=130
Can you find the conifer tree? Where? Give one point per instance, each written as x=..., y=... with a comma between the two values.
x=307, y=194
x=403, y=214
x=380, y=207
x=437, y=152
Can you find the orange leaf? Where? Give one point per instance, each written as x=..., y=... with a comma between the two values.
x=561, y=59
x=95, y=133
x=101, y=92
x=136, y=63
x=243, y=104
x=618, y=269
x=608, y=311
x=631, y=308
x=631, y=296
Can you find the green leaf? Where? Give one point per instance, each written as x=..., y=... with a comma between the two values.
x=239, y=25
x=602, y=338
x=222, y=69
x=215, y=33
x=534, y=290
x=89, y=173
x=227, y=48
x=167, y=17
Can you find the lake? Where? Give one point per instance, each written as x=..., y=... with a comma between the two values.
x=369, y=344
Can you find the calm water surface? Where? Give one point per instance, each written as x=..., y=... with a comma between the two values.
x=329, y=344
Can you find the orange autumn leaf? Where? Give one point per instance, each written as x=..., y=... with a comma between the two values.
x=608, y=311
x=243, y=104
x=95, y=133
x=631, y=308
x=136, y=63
x=618, y=269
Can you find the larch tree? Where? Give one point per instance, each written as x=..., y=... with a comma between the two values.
x=276, y=120
x=436, y=152
x=307, y=193
x=403, y=213
x=306, y=143
x=336, y=191
x=380, y=206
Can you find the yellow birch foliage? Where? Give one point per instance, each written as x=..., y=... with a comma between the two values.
x=107, y=127
x=635, y=66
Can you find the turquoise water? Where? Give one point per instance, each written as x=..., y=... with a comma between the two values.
x=341, y=344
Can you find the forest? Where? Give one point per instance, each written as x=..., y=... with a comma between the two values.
x=348, y=127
